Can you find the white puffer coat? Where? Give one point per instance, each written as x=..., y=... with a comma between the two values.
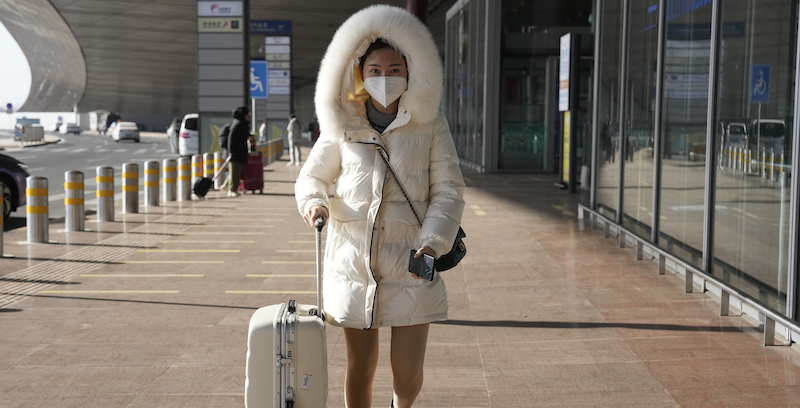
x=372, y=230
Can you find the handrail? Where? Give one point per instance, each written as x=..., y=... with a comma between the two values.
x=770, y=316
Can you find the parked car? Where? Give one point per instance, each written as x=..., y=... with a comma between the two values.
x=13, y=174
x=736, y=133
x=69, y=128
x=125, y=131
x=189, y=140
x=767, y=134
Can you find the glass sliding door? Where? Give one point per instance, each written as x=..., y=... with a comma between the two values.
x=608, y=105
x=639, y=117
x=685, y=110
x=464, y=84
x=754, y=112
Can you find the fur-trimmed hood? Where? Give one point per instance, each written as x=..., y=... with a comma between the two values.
x=340, y=94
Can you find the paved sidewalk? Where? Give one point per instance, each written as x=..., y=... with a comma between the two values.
x=152, y=310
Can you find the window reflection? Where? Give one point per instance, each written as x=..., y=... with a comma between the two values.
x=754, y=105
x=639, y=119
x=685, y=110
x=608, y=105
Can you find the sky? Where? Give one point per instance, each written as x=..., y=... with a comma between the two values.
x=15, y=72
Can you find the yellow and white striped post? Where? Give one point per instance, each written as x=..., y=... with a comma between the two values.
x=219, y=159
x=197, y=167
x=771, y=166
x=169, y=171
x=208, y=165
x=184, y=179
x=73, y=201
x=38, y=210
x=130, y=188
x=105, y=193
x=151, y=171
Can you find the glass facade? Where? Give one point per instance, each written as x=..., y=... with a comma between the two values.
x=464, y=89
x=657, y=181
x=521, y=133
x=608, y=160
x=755, y=101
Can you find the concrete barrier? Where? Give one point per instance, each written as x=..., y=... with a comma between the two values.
x=74, y=201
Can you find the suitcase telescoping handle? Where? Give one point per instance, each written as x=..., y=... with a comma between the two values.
x=318, y=224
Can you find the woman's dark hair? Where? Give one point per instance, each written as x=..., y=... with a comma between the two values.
x=241, y=112
x=379, y=44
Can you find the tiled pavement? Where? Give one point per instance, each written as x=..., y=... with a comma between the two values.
x=152, y=311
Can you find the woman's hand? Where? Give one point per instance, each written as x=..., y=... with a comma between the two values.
x=315, y=212
x=424, y=250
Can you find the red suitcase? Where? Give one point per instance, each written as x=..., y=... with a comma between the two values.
x=253, y=176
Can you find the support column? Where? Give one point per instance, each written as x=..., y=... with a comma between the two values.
x=418, y=8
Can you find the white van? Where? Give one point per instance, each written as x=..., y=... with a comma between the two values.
x=189, y=137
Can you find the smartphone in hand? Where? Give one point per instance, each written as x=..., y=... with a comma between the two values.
x=422, y=266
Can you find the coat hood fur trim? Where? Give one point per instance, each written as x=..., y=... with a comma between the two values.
x=339, y=93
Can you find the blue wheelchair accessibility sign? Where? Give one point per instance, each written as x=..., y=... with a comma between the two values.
x=258, y=79
x=759, y=84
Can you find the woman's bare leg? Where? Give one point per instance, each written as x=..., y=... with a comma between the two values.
x=362, y=361
x=408, y=358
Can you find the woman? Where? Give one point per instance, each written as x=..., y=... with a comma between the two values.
x=237, y=149
x=377, y=98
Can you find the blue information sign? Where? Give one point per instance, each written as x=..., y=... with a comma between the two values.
x=258, y=79
x=759, y=84
x=279, y=27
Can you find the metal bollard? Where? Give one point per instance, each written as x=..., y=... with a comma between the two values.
x=130, y=188
x=38, y=211
x=105, y=193
x=169, y=176
x=749, y=166
x=151, y=170
x=218, y=160
x=184, y=179
x=197, y=167
x=208, y=165
x=73, y=201
x=772, y=166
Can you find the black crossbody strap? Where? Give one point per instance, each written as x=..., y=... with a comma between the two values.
x=383, y=153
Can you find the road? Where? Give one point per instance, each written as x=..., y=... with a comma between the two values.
x=85, y=153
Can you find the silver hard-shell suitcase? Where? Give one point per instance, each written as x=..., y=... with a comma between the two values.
x=287, y=364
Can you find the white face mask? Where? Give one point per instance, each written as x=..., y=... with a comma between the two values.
x=385, y=89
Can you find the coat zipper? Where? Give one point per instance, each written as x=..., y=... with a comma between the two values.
x=378, y=149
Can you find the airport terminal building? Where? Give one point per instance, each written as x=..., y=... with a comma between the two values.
x=683, y=126
x=685, y=121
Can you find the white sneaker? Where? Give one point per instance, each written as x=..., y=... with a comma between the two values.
x=233, y=193
x=289, y=164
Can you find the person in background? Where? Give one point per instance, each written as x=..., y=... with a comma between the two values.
x=262, y=132
x=377, y=98
x=237, y=149
x=295, y=137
